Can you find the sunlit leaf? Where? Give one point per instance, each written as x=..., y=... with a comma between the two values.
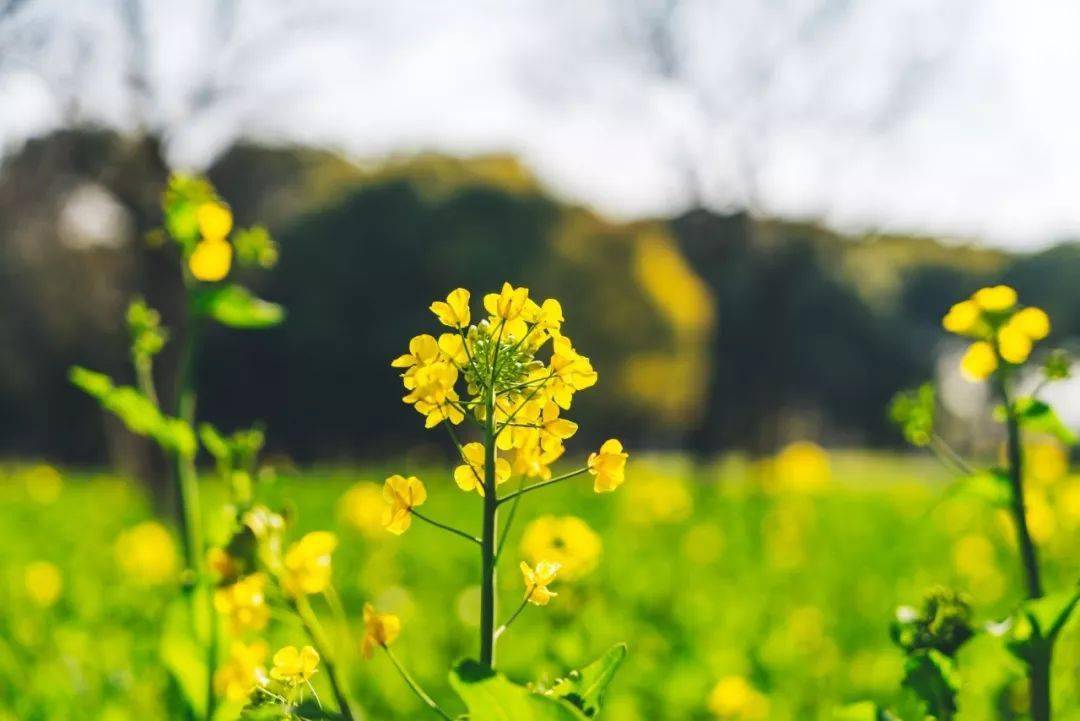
x=489, y=696
x=585, y=688
x=236, y=307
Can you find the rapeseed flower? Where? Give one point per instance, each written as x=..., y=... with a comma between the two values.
x=294, y=667
x=243, y=671
x=469, y=476
x=402, y=495
x=146, y=553
x=244, y=603
x=567, y=541
x=380, y=630
x=308, y=563
x=608, y=466
x=43, y=583
x=537, y=579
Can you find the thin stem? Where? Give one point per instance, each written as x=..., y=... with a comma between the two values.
x=445, y=527
x=543, y=484
x=318, y=637
x=513, y=617
x=144, y=377
x=487, y=543
x=509, y=520
x=949, y=457
x=416, y=688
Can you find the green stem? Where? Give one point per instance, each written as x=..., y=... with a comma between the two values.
x=509, y=521
x=487, y=540
x=443, y=526
x=513, y=617
x=542, y=484
x=416, y=689
x=322, y=644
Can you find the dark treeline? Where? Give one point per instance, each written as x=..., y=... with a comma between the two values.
x=795, y=331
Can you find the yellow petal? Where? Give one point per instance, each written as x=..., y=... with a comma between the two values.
x=211, y=260
x=215, y=220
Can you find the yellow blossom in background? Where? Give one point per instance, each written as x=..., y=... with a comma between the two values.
x=215, y=220
x=244, y=603
x=537, y=581
x=294, y=667
x=608, y=466
x=567, y=541
x=146, y=553
x=1013, y=344
x=735, y=699
x=363, y=507
x=242, y=672
x=975, y=559
x=1041, y=519
x=402, y=494
x=469, y=476
x=43, y=483
x=979, y=361
x=1032, y=322
x=43, y=583
x=802, y=466
x=962, y=318
x=221, y=563
x=1046, y=461
x=656, y=497
x=454, y=312
x=996, y=298
x=211, y=260
x=308, y=563
x=380, y=630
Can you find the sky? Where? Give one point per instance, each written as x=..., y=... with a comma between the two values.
x=952, y=118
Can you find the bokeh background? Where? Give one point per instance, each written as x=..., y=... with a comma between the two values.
x=754, y=213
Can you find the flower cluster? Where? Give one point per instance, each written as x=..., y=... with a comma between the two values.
x=1003, y=333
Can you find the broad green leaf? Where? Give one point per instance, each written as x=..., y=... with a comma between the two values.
x=933, y=678
x=96, y=385
x=1035, y=415
x=235, y=306
x=585, y=688
x=182, y=655
x=489, y=696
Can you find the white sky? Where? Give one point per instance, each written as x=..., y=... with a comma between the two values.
x=956, y=117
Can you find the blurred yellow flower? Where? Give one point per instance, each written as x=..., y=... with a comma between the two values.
x=1013, y=344
x=211, y=260
x=244, y=603
x=362, y=507
x=146, y=553
x=1041, y=520
x=979, y=361
x=537, y=581
x=974, y=556
x=43, y=583
x=294, y=667
x=735, y=699
x=402, y=494
x=455, y=311
x=215, y=220
x=609, y=466
x=1032, y=322
x=996, y=298
x=802, y=466
x=242, y=672
x=1046, y=461
x=221, y=563
x=380, y=630
x=508, y=304
x=470, y=475
x=43, y=484
x=656, y=498
x=308, y=563
x=962, y=318
x=565, y=540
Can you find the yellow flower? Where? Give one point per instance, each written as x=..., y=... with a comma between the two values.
x=308, y=563
x=537, y=581
x=470, y=475
x=294, y=667
x=570, y=372
x=211, y=260
x=507, y=304
x=979, y=361
x=244, y=670
x=423, y=350
x=802, y=466
x=996, y=298
x=403, y=494
x=735, y=699
x=43, y=583
x=146, y=553
x=215, y=220
x=566, y=540
x=1032, y=322
x=609, y=466
x=362, y=507
x=962, y=318
x=535, y=461
x=244, y=602
x=547, y=316
x=1013, y=344
x=1046, y=461
x=380, y=630
x=455, y=311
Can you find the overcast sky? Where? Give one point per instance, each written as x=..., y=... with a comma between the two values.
x=955, y=117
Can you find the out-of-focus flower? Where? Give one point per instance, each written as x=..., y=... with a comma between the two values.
x=537, y=581
x=1046, y=461
x=454, y=312
x=380, y=630
x=243, y=671
x=608, y=466
x=470, y=475
x=308, y=563
x=1032, y=322
x=211, y=260
x=362, y=507
x=43, y=583
x=43, y=483
x=962, y=318
x=565, y=540
x=979, y=361
x=146, y=553
x=244, y=603
x=995, y=298
x=402, y=494
x=215, y=220
x=656, y=497
x=802, y=466
x=735, y=699
x=294, y=667
x=1013, y=344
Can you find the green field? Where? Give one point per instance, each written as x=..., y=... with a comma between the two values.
x=709, y=572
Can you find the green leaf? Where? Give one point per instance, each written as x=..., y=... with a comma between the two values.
x=932, y=677
x=182, y=655
x=1035, y=415
x=214, y=442
x=489, y=696
x=96, y=385
x=991, y=486
x=235, y=306
x=585, y=688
